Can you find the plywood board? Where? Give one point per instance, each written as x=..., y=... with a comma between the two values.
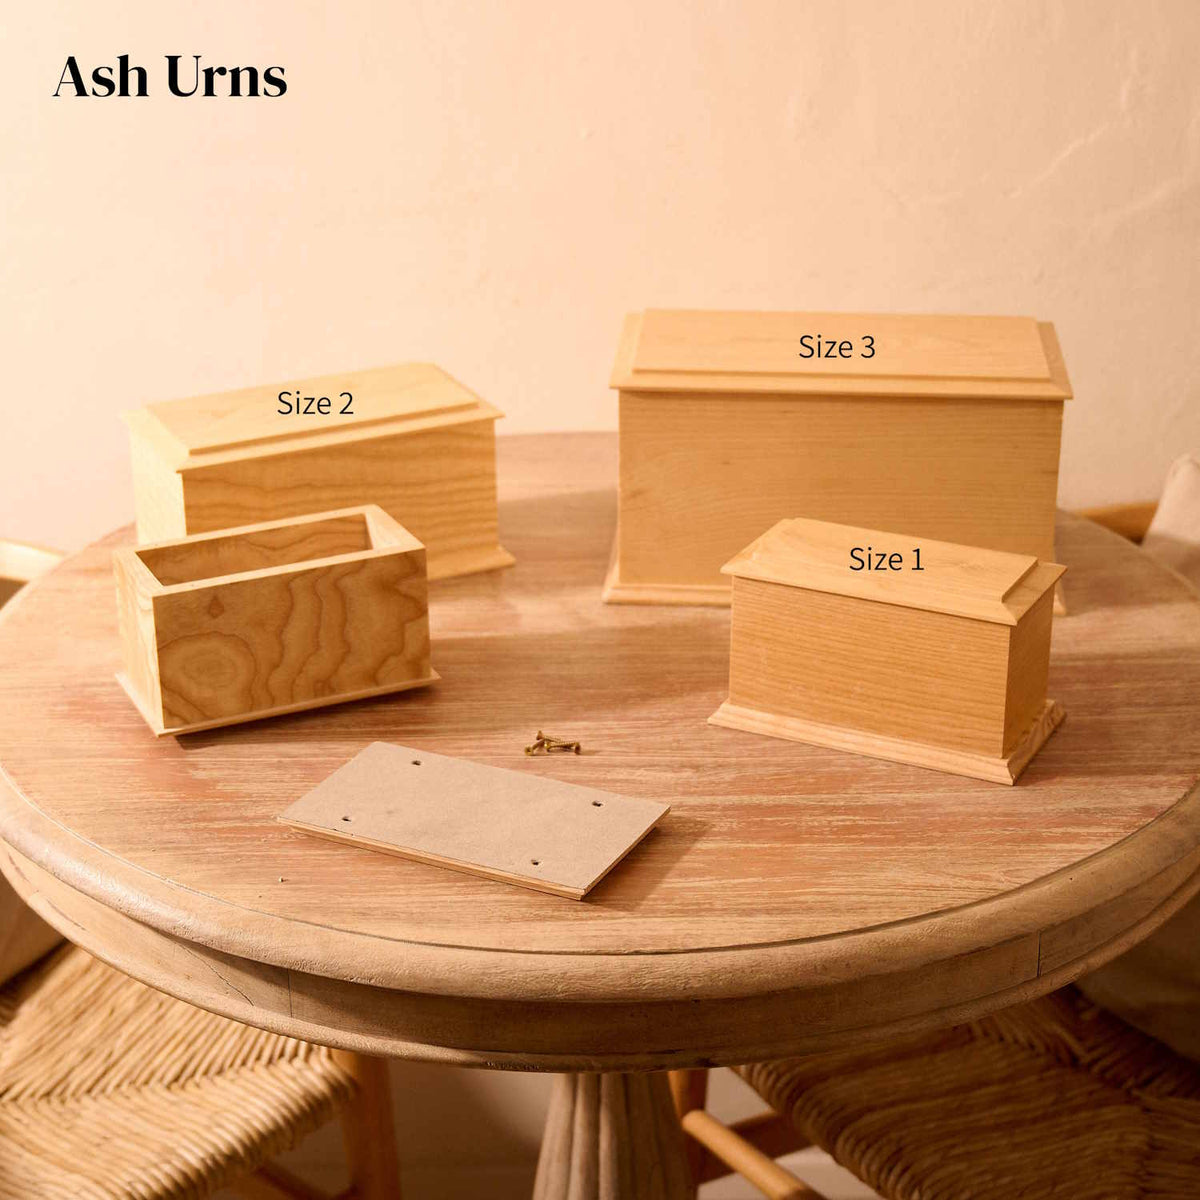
x=509, y=825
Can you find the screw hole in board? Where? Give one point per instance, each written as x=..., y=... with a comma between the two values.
x=537, y=862
x=597, y=803
x=345, y=818
x=416, y=762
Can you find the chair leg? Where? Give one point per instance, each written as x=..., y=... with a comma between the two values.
x=689, y=1090
x=368, y=1130
x=272, y=1182
x=747, y=1148
x=746, y=1159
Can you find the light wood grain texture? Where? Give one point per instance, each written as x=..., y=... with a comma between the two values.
x=701, y=477
x=766, y=1131
x=272, y=618
x=995, y=768
x=538, y=833
x=368, y=1130
x=1025, y=706
x=416, y=442
x=609, y=1137
x=740, y=1155
x=909, y=354
x=240, y=420
x=941, y=667
x=797, y=898
x=710, y=459
x=964, y=581
x=891, y=672
x=689, y=1090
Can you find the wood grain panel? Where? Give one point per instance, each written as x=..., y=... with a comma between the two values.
x=702, y=476
x=1028, y=670
x=439, y=483
x=839, y=660
x=259, y=550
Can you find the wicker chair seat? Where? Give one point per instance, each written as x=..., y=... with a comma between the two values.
x=1052, y=1098
x=109, y=1088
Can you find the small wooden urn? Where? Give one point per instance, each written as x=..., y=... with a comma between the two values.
x=903, y=648
x=272, y=618
x=408, y=438
x=940, y=427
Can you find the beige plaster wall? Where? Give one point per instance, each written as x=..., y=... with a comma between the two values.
x=493, y=185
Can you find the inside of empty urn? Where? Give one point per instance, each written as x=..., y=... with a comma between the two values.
x=262, y=549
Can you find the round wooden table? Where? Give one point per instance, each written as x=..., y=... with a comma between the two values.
x=793, y=899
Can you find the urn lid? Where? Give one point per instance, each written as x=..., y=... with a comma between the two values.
x=840, y=354
x=964, y=581
x=379, y=401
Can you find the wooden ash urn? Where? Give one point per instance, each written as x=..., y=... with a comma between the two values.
x=945, y=427
x=903, y=648
x=408, y=438
x=272, y=618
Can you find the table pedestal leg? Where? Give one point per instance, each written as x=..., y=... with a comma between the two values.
x=612, y=1137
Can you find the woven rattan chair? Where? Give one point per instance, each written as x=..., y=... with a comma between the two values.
x=1055, y=1097
x=1052, y=1098
x=109, y=1088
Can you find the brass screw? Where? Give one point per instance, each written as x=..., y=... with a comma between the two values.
x=557, y=745
x=553, y=745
